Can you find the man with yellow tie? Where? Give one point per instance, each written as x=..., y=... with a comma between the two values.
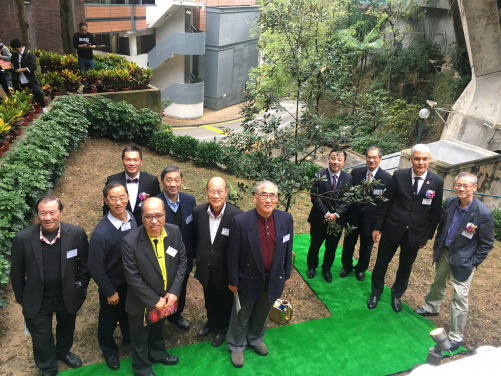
x=155, y=263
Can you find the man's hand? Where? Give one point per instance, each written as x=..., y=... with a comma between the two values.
x=375, y=235
x=171, y=299
x=331, y=217
x=233, y=289
x=424, y=245
x=161, y=303
x=287, y=282
x=20, y=70
x=113, y=299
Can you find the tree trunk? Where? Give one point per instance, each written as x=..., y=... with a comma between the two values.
x=68, y=24
x=21, y=15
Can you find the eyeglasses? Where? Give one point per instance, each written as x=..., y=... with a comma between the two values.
x=465, y=186
x=151, y=217
x=265, y=196
x=115, y=199
x=213, y=193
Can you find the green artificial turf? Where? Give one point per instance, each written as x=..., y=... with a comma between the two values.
x=353, y=341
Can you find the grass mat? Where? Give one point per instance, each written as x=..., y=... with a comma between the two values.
x=353, y=341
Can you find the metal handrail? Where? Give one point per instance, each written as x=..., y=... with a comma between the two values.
x=475, y=193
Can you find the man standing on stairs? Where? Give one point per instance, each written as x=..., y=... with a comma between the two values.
x=407, y=219
x=363, y=215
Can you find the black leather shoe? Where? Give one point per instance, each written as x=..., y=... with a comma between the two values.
x=454, y=345
x=48, y=373
x=360, y=276
x=71, y=360
x=395, y=304
x=423, y=312
x=168, y=360
x=372, y=302
x=218, y=340
x=344, y=273
x=327, y=276
x=204, y=331
x=181, y=323
x=310, y=273
x=112, y=362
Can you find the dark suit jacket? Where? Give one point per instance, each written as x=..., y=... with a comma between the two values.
x=464, y=253
x=28, y=61
x=26, y=271
x=404, y=211
x=143, y=273
x=245, y=261
x=363, y=215
x=212, y=258
x=147, y=183
x=328, y=202
x=186, y=203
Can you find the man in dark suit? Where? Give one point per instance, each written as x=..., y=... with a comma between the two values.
x=407, y=219
x=465, y=236
x=179, y=211
x=139, y=184
x=106, y=268
x=49, y=275
x=363, y=215
x=211, y=223
x=326, y=208
x=154, y=261
x=259, y=267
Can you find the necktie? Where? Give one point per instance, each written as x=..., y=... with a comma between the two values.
x=370, y=176
x=132, y=180
x=415, y=186
x=155, y=241
x=334, y=184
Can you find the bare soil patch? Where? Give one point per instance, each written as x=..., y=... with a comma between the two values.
x=81, y=193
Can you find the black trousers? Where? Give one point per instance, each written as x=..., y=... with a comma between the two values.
x=318, y=233
x=386, y=251
x=36, y=92
x=147, y=344
x=40, y=327
x=109, y=315
x=364, y=257
x=218, y=303
x=3, y=82
x=181, y=300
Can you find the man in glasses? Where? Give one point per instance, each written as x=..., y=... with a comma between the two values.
x=139, y=184
x=465, y=236
x=154, y=261
x=179, y=211
x=259, y=267
x=326, y=208
x=106, y=268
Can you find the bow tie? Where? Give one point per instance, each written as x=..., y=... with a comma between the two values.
x=132, y=180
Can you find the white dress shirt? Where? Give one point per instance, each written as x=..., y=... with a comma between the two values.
x=214, y=222
x=421, y=180
x=22, y=77
x=132, y=190
x=373, y=173
x=117, y=222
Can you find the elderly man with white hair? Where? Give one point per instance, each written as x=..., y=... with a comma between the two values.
x=259, y=267
x=465, y=236
x=407, y=219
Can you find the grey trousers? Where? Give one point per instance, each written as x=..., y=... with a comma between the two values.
x=250, y=323
x=432, y=300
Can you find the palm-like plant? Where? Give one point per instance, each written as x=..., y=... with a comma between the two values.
x=123, y=77
x=110, y=79
x=69, y=62
x=72, y=81
x=55, y=61
x=92, y=76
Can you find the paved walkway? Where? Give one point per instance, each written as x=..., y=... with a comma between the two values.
x=209, y=117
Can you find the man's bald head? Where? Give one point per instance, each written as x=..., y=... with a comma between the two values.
x=217, y=191
x=216, y=180
x=153, y=211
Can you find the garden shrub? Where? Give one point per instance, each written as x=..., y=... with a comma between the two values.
x=403, y=117
x=185, y=147
x=389, y=142
x=208, y=154
x=497, y=223
x=162, y=142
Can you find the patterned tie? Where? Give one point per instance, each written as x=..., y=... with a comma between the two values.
x=334, y=185
x=370, y=177
x=415, y=186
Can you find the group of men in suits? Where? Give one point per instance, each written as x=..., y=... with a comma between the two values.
x=403, y=211
x=143, y=249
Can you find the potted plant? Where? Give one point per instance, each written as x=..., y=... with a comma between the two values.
x=44, y=59
x=55, y=62
x=4, y=135
x=72, y=81
x=123, y=78
x=57, y=81
x=69, y=62
x=110, y=81
x=11, y=116
x=92, y=77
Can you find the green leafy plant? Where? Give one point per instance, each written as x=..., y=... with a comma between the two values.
x=185, y=147
x=497, y=223
x=72, y=81
x=69, y=62
x=209, y=154
x=162, y=142
x=123, y=77
x=388, y=141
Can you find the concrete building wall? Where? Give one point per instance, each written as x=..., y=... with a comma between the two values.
x=44, y=20
x=188, y=111
x=170, y=72
x=174, y=23
x=199, y=16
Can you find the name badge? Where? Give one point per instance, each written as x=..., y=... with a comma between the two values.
x=427, y=201
x=286, y=238
x=126, y=226
x=467, y=234
x=171, y=251
x=71, y=253
x=225, y=231
x=189, y=218
x=377, y=192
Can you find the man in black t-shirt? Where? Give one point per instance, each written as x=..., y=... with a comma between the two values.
x=84, y=42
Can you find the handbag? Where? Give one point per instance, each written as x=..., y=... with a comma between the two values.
x=4, y=63
x=281, y=312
